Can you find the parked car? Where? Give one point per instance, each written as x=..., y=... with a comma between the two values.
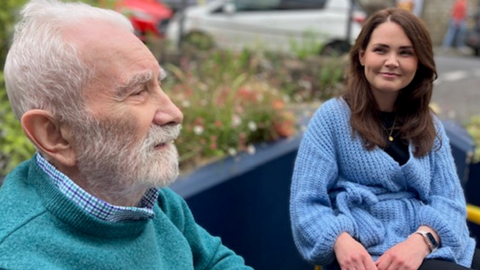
x=147, y=16
x=271, y=24
x=176, y=5
x=472, y=36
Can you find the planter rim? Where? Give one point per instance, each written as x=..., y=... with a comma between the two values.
x=222, y=170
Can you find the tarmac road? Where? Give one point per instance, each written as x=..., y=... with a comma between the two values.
x=456, y=92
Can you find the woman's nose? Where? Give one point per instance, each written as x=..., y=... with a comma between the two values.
x=392, y=60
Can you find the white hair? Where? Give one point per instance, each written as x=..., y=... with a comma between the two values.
x=45, y=71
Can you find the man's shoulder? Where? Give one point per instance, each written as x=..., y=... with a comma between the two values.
x=20, y=204
x=174, y=208
x=170, y=202
x=18, y=228
x=21, y=220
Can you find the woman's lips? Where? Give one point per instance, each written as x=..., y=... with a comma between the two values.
x=389, y=75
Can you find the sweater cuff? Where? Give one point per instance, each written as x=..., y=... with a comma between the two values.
x=323, y=252
x=431, y=218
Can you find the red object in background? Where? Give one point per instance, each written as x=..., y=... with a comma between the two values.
x=147, y=16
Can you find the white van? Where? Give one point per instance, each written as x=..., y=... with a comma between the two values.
x=271, y=24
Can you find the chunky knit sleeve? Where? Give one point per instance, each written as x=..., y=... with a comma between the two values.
x=445, y=208
x=315, y=225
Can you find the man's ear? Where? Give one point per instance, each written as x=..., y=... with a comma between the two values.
x=49, y=136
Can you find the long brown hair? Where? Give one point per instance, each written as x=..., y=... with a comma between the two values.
x=412, y=105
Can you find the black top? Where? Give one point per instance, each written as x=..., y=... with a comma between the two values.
x=398, y=148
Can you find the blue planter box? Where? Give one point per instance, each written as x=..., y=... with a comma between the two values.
x=463, y=147
x=472, y=189
x=245, y=201
x=473, y=185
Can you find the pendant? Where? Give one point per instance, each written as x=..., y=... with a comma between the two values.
x=390, y=138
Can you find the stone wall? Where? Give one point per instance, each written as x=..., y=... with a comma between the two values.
x=436, y=14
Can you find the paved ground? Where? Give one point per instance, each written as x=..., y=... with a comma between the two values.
x=457, y=90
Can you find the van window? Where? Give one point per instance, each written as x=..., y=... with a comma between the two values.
x=302, y=4
x=257, y=5
x=275, y=5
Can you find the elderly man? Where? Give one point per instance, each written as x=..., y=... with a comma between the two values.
x=89, y=97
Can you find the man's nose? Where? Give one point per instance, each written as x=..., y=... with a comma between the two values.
x=167, y=112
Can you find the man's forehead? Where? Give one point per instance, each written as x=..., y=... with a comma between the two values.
x=98, y=39
x=84, y=32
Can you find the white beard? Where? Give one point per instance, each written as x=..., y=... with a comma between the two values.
x=109, y=158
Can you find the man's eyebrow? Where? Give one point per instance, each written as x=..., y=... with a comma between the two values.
x=137, y=79
x=162, y=74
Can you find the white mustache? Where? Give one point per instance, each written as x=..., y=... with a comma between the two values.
x=162, y=134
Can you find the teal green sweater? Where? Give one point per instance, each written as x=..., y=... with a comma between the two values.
x=41, y=229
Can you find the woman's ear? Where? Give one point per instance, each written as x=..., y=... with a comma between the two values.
x=361, y=55
x=48, y=135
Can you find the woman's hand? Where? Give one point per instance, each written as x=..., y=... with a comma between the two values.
x=351, y=254
x=406, y=255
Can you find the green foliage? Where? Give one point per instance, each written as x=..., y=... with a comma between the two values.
x=199, y=41
x=316, y=78
x=234, y=100
x=14, y=145
x=473, y=128
x=308, y=45
x=330, y=74
x=8, y=13
x=226, y=108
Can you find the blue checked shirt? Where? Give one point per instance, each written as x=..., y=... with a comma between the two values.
x=95, y=206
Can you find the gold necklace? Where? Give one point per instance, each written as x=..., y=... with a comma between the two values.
x=390, y=137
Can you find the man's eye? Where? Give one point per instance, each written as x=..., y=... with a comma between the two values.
x=139, y=93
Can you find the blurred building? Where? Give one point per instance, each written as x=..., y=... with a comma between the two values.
x=435, y=13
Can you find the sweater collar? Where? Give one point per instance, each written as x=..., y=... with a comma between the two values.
x=72, y=214
x=94, y=205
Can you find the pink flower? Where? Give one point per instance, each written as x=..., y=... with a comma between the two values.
x=236, y=121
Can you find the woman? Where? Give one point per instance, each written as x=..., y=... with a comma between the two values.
x=375, y=185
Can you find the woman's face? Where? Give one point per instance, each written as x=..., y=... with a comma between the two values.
x=389, y=62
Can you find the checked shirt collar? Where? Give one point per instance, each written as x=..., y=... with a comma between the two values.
x=94, y=205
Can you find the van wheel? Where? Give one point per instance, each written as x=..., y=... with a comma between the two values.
x=198, y=40
x=335, y=48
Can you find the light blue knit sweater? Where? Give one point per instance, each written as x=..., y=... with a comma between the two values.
x=338, y=186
